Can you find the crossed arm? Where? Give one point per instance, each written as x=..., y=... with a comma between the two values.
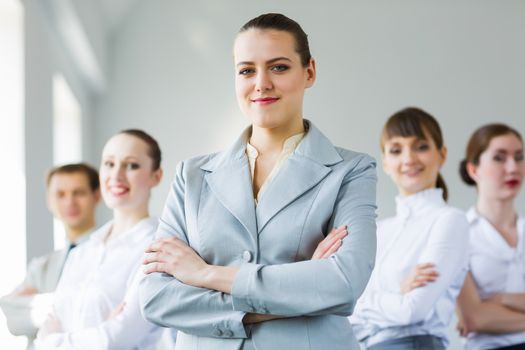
x=217, y=301
x=27, y=306
x=124, y=328
x=502, y=313
x=174, y=257
x=441, y=262
x=514, y=301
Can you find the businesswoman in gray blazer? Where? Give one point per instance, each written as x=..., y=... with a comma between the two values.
x=242, y=260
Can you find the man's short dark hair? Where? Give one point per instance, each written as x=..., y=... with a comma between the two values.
x=90, y=172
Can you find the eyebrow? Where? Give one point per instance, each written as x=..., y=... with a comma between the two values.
x=500, y=150
x=414, y=139
x=127, y=158
x=273, y=60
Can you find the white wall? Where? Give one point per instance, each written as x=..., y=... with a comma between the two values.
x=38, y=131
x=48, y=50
x=171, y=73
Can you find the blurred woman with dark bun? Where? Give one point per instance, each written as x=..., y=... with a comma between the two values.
x=492, y=302
x=96, y=302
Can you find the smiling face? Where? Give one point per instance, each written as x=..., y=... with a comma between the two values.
x=126, y=174
x=412, y=163
x=499, y=174
x=270, y=79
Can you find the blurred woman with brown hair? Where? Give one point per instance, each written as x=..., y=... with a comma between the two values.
x=492, y=302
x=421, y=261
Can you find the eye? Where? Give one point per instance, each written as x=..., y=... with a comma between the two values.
x=518, y=157
x=132, y=166
x=394, y=150
x=279, y=68
x=499, y=157
x=80, y=193
x=246, y=71
x=109, y=164
x=422, y=147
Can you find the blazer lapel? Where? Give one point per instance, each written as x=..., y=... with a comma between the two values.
x=294, y=178
x=304, y=169
x=230, y=180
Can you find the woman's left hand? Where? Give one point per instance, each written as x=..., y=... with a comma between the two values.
x=419, y=277
x=51, y=325
x=331, y=243
x=174, y=257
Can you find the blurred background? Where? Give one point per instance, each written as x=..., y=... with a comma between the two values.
x=74, y=72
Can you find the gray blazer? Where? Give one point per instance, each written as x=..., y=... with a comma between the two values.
x=211, y=206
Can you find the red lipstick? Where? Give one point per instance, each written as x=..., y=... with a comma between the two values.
x=512, y=183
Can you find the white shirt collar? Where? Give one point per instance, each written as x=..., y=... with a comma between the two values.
x=131, y=236
x=408, y=205
x=472, y=215
x=81, y=239
x=492, y=235
x=289, y=146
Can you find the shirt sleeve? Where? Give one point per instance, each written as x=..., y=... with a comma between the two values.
x=447, y=250
x=126, y=331
x=169, y=303
x=25, y=314
x=326, y=286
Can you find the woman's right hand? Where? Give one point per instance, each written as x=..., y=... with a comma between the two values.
x=461, y=327
x=331, y=243
x=419, y=277
x=51, y=325
x=116, y=311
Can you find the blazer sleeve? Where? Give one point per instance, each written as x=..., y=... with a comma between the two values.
x=170, y=303
x=446, y=248
x=326, y=286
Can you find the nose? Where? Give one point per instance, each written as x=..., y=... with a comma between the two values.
x=263, y=81
x=69, y=199
x=117, y=172
x=511, y=165
x=408, y=156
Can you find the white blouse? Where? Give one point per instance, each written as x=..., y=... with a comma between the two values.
x=289, y=146
x=97, y=277
x=425, y=229
x=496, y=268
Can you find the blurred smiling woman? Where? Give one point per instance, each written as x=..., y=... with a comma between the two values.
x=421, y=251
x=244, y=258
x=96, y=305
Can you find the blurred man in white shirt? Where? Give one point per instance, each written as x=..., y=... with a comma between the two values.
x=73, y=192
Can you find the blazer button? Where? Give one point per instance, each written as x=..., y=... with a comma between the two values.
x=228, y=334
x=247, y=256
